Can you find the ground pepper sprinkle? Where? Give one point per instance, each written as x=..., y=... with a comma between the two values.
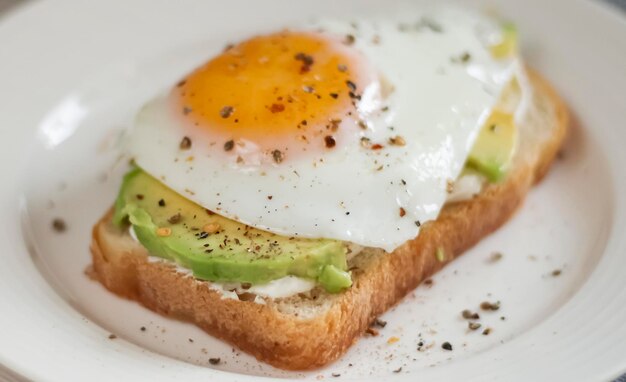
x=59, y=225
x=228, y=145
x=278, y=156
x=329, y=141
x=226, y=111
x=185, y=143
x=486, y=305
x=214, y=361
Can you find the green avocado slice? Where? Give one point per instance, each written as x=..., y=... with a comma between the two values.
x=494, y=147
x=216, y=248
x=507, y=47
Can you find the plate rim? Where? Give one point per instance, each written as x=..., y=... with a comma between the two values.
x=25, y=10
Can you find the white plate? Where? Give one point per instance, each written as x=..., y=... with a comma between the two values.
x=72, y=74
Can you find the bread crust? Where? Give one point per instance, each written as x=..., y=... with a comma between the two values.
x=287, y=341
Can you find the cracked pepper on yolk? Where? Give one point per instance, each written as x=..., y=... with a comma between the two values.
x=276, y=91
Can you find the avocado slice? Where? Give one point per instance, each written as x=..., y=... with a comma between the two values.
x=216, y=248
x=494, y=148
x=508, y=45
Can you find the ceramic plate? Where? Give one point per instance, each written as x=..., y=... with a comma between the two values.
x=73, y=73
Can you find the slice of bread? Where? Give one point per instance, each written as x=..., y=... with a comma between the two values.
x=312, y=329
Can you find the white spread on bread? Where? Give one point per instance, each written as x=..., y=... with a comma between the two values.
x=280, y=288
x=466, y=187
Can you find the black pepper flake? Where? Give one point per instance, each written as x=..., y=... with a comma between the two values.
x=398, y=370
x=486, y=331
x=181, y=83
x=351, y=85
x=473, y=325
x=333, y=125
x=307, y=61
x=334, y=95
x=190, y=340
x=485, y=305
x=379, y=322
x=556, y=272
x=277, y=108
x=185, y=143
x=139, y=196
x=228, y=145
x=446, y=346
x=59, y=225
x=112, y=336
x=349, y=39
x=336, y=375
x=202, y=235
x=397, y=140
x=464, y=58
x=174, y=218
x=226, y=111
x=496, y=256
x=161, y=203
x=143, y=328
x=469, y=315
x=214, y=361
x=418, y=223
x=278, y=156
x=365, y=142
x=329, y=141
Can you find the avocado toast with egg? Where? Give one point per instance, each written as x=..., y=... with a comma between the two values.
x=297, y=301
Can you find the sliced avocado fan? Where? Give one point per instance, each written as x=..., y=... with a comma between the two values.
x=219, y=249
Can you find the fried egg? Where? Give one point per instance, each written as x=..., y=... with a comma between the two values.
x=347, y=130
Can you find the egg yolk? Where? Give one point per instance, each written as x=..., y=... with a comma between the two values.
x=288, y=91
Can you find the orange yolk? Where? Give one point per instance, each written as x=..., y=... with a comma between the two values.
x=288, y=90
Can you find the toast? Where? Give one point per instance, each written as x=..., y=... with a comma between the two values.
x=313, y=329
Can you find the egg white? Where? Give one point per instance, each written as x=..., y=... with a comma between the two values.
x=440, y=99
